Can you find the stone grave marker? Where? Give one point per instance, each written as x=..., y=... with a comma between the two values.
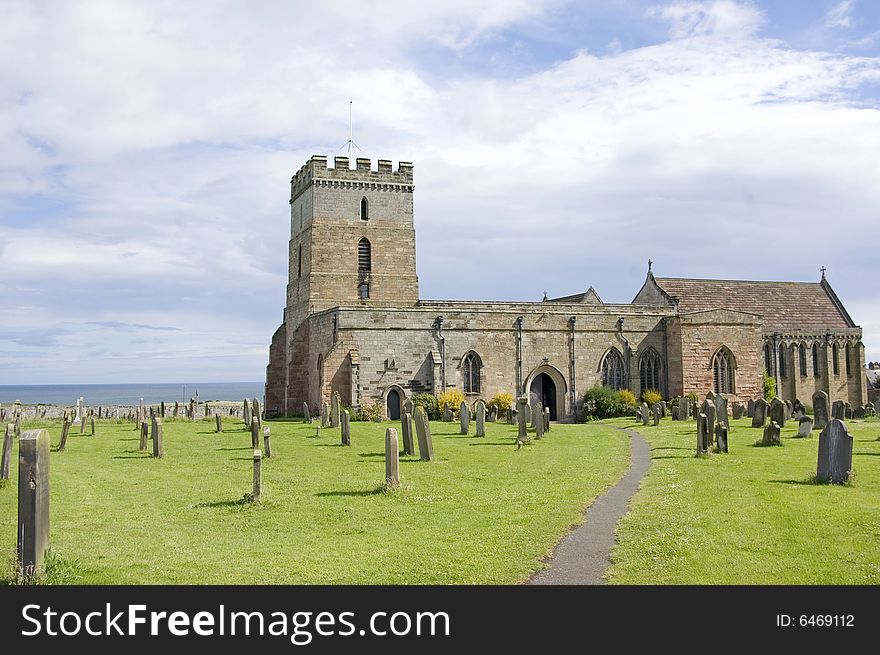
x=258, y=414
x=92, y=425
x=859, y=412
x=539, y=425
x=267, y=444
x=465, y=418
x=406, y=432
x=33, y=501
x=392, y=459
x=492, y=415
x=738, y=410
x=657, y=412
x=805, y=427
x=708, y=408
x=771, y=435
x=7, y=451
x=759, y=416
x=643, y=408
x=218, y=420
x=345, y=424
x=777, y=412
x=546, y=419
x=408, y=406
x=721, y=410
x=335, y=409
x=145, y=431
x=423, y=433
x=838, y=410
x=447, y=412
x=258, y=475
x=835, y=453
x=684, y=411
x=325, y=415
x=306, y=414
x=17, y=425
x=721, y=437
x=481, y=418
x=176, y=409
x=521, y=419
x=820, y=409
x=158, y=441
x=750, y=408
x=246, y=412
x=702, y=434
x=789, y=409
x=847, y=410
x=65, y=430
x=255, y=434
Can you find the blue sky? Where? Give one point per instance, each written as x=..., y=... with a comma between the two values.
x=148, y=149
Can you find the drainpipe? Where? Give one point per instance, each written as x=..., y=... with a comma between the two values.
x=776, y=364
x=572, y=323
x=663, y=362
x=519, y=333
x=442, y=353
x=626, y=349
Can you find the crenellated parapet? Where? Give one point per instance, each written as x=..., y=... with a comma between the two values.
x=362, y=176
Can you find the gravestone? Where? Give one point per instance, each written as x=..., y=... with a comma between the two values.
x=161, y=409
x=738, y=411
x=207, y=409
x=255, y=434
x=664, y=408
x=708, y=408
x=7, y=451
x=306, y=414
x=257, y=492
x=423, y=434
x=820, y=410
x=481, y=418
x=392, y=459
x=721, y=437
x=870, y=410
x=805, y=427
x=657, y=411
x=492, y=414
x=522, y=406
x=859, y=412
x=335, y=409
x=750, y=408
x=526, y=411
x=847, y=410
x=17, y=425
x=675, y=412
x=511, y=415
x=789, y=410
x=684, y=410
x=835, y=453
x=702, y=434
x=145, y=431
x=721, y=410
x=82, y=425
x=191, y=411
x=317, y=431
x=346, y=428
x=408, y=405
x=643, y=408
x=447, y=413
x=711, y=397
x=771, y=435
x=267, y=443
x=219, y=421
x=777, y=412
x=246, y=412
x=546, y=419
x=158, y=442
x=465, y=417
x=838, y=410
x=759, y=417
x=798, y=407
x=539, y=426
x=33, y=501
x=79, y=415
x=325, y=415
x=258, y=414
x=92, y=425
x=176, y=409
x=406, y=432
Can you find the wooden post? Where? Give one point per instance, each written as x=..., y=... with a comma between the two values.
x=7, y=451
x=258, y=475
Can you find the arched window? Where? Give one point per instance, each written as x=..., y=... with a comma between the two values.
x=723, y=367
x=649, y=370
x=299, y=262
x=470, y=372
x=365, y=209
x=847, y=354
x=613, y=374
x=782, y=362
x=768, y=359
x=365, y=256
x=802, y=355
x=816, y=360
x=835, y=360
x=320, y=376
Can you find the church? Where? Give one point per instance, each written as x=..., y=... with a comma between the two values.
x=354, y=322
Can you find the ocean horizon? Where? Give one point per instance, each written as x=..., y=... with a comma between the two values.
x=128, y=394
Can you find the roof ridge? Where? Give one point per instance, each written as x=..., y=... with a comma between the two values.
x=710, y=279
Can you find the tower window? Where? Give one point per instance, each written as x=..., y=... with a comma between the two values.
x=612, y=370
x=365, y=259
x=365, y=209
x=364, y=291
x=722, y=370
x=299, y=265
x=470, y=370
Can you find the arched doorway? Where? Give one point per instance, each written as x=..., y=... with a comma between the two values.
x=392, y=403
x=545, y=389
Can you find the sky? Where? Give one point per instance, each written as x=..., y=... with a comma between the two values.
x=148, y=148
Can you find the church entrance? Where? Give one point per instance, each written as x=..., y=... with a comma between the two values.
x=393, y=405
x=544, y=387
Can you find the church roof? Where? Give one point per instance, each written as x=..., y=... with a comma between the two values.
x=783, y=305
x=588, y=297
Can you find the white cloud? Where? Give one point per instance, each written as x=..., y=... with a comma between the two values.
x=840, y=15
x=717, y=18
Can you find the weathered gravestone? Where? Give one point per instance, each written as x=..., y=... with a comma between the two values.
x=835, y=453
x=546, y=419
x=702, y=434
x=721, y=410
x=33, y=501
x=176, y=409
x=750, y=409
x=789, y=410
x=805, y=427
x=481, y=418
x=306, y=413
x=145, y=433
x=65, y=430
x=711, y=397
x=258, y=414
x=267, y=443
x=838, y=410
x=721, y=437
x=539, y=425
x=820, y=410
x=870, y=410
x=778, y=412
x=325, y=415
x=657, y=411
x=423, y=435
x=392, y=459
x=7, y=451
x=859, y=412
x=255, y=434
x=465, y=417
x=738, y=411
x=408, y=405
x=798, y=407
x=246, y=412
x=257, y=492
x=644, y=413
x=511, y=416
x=82, y=425
x=92, y=425
x=406, y=432
x=847, y=410
x=492, y=414
x=161, y=409
x=219, y=421
x=771, y=435
x=684, y=408
x=447, y=413
x=346, y=428
x=522, y=406
x=759, y=415
x=708, y=408
x=207, y=409
x=158, y=441
x=335, y=409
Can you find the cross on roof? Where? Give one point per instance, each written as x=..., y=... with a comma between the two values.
x=823, y=269
x=649, y=265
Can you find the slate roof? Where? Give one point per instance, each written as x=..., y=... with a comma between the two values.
x=783, y=305
x=588, y=297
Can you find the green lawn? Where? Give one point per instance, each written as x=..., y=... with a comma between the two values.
x=483, y=513
x=751, y=516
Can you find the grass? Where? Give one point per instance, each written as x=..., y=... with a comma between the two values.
x=483, y=513
x=753, y=516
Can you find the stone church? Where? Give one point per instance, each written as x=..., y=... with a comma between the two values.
x=354, y=322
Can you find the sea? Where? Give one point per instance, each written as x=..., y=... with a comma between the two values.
x=129, y=394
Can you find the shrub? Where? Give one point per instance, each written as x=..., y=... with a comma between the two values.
x=652, y=396
x=428, y=402
x=627, y=397
x=769, y=387
x=371, y=412
x=602, y=402
x=694, y=399
x=452, y=397
x=501, y=401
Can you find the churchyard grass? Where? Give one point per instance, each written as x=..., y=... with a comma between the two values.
x=753, y=516
x=483, y=512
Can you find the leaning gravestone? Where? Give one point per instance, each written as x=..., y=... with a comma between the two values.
x=721, y=410
x=423, y=433
x=255, y=434
x=760, y=413
x=721, y=437
x=465, y=417
x=777, y=412
x=702, y=434
x=657, y=411
x=481, y=418
x=835, y=453
x=820, y=409
x=805, y=427
x=306, y=414
x=258, y=414
x=158, y=442
x=346, y=428
x=65, y=430
x=406, y=430
x=33, y=501
x=644, y=413
x=771, y=435
x=392, y=459
x=7, y=451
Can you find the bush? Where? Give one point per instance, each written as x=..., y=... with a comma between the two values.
x=453, y=398
x=769, y=387
x=652, y=397
x=428, y=402
x=694, y=399
x=371, y=412
x=602, y=402
x=501, y=401
x=627, y=397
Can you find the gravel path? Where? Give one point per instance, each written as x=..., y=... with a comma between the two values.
x=585, y=553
